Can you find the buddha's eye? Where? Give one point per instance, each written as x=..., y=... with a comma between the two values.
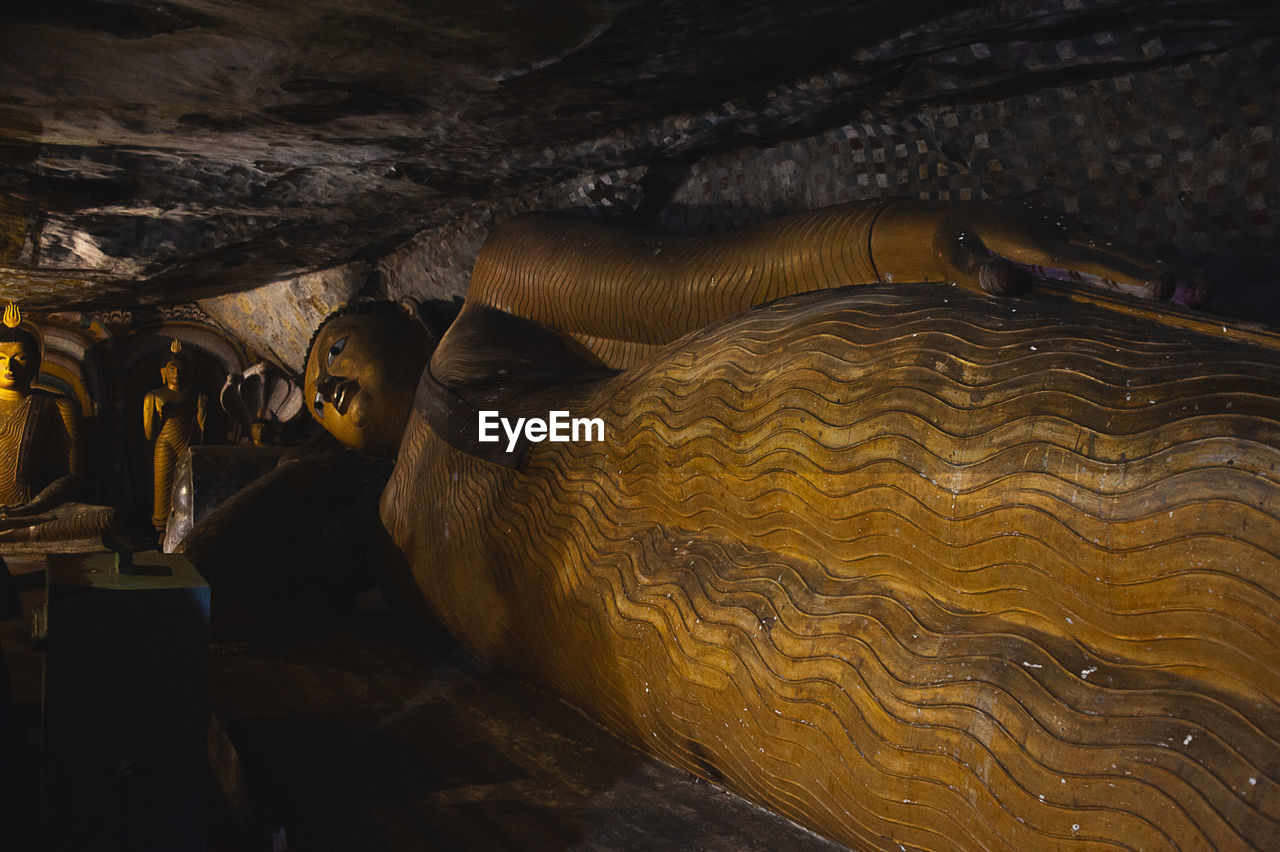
x=336, y=349
x=318, y=404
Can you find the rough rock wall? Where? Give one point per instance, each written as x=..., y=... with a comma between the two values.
x=277, y=319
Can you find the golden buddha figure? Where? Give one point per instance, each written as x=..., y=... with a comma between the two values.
x=40, y=455
x=173, y=417
x=917, y=567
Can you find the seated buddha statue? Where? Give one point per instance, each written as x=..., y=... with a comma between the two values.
x=917, y=567
x=41, y=466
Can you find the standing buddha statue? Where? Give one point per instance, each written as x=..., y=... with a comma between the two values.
x=173, y=416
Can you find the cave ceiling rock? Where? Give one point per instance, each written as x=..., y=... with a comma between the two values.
x=171, y=151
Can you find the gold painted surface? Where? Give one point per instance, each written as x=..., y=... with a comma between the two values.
x=908, y=565
x=359, y=379
x=173, y=417
x=39, y=437
x=41, y=458
x=915, y=567
x=622, y=293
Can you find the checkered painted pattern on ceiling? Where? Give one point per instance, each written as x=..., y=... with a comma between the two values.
x=1164, y=138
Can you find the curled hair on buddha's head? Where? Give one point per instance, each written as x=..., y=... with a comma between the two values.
x=363, y=307
x=15, y=330
x=176, y=354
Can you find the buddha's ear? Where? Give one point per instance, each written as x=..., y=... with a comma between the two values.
x=413, y=309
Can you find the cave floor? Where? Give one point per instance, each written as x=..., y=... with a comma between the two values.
x=362, y=731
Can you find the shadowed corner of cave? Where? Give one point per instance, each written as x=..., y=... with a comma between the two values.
x=345, y=718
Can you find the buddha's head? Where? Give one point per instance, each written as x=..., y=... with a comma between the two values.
x=362, y=371
x=173, y=372
x=19, y=355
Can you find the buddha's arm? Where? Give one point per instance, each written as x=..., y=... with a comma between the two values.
x=607, y=286
x=150, y=415
x=64, y=454
x=597, y=281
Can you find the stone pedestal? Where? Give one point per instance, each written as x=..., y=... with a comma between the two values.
x=126, y=704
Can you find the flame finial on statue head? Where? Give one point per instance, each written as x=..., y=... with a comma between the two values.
x=21, y=330
x=175, y=347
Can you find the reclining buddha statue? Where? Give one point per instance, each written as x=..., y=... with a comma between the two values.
x=41, y=463
x=915, y=566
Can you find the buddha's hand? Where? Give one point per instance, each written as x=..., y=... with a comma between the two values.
x=1000, y=246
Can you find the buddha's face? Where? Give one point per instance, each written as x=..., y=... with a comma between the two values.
x=174, y=374
x=18, y=367
x=361, y=377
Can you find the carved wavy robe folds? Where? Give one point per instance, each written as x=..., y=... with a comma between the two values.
x=911, y=566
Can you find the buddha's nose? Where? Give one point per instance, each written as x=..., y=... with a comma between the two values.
x=325, y=386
